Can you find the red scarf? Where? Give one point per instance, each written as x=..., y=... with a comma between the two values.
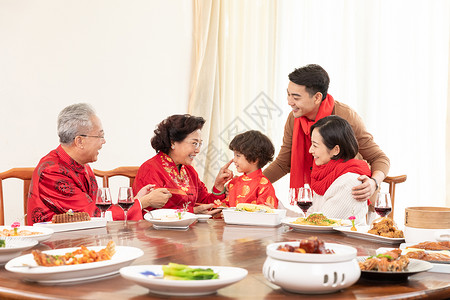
x=323, y=176
x=301, y=159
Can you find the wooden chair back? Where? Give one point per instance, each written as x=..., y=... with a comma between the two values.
x=392, y=181
x=24, y=174
x=129, y=172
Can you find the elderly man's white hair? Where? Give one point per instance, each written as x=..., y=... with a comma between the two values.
x=73, y=121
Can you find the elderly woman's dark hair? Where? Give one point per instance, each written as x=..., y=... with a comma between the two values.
x=174, y=129
x=313, y=77
x=255, y=146
x=337, y=131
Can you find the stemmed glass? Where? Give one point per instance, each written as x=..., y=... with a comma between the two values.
x=383, y=205
x=126, y=199
x=103, y=200
x=304, y=199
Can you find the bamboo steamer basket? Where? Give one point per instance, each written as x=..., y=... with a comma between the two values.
x=427, y=217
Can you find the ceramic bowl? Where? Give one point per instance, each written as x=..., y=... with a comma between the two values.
x=309, y=273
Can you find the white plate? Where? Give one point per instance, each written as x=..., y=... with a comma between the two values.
x=57, y=227
x=203, y=217
x=232, y=216
x=70, y=273
x=288, y=222
x=415, y=266
x=14, y=247
x=45, y=233
x=361, y=233
x=227, y=276
x=155, y=216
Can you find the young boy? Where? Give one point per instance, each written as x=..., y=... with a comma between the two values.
x=252, y=151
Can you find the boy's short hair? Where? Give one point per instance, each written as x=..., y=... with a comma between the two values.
x=255, y=146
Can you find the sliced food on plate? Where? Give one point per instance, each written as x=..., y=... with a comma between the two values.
x=385, y=227
x=318, y=219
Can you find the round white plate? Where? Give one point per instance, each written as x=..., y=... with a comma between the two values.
x=58, y=227
x=45, y=233
x=288, y=222
x=361, y=233
x=70, y=273
x=415, y=266
x=203, y=217
x=227, y=276
x=14, y=247
x=155, y=217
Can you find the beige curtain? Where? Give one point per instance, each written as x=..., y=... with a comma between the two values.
x=447, y=144
x=233, y=76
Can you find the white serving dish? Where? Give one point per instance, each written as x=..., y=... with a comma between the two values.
x=45, y=233
x=417, y=235
x=203, y=217
x=57, y=227
x=362, y=233
x=232, y=216
x=157, y=218
x=305, y=227
x=227, y=276
x=14, y=247
x=123, y=257
x=309, y=273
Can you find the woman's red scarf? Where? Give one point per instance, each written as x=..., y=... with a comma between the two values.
x=323, y=176
x=301, y=159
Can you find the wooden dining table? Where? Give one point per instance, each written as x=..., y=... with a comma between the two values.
x=212, y=243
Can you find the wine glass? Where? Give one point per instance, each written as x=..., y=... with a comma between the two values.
x=304, y=199
x=103, y=200
x=383, y=205
x=126, y=199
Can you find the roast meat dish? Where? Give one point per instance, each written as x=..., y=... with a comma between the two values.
x=310, y=245
x=432, y=246
x=391, y=261
x=385, y=227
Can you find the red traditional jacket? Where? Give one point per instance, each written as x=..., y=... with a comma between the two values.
x=59, y=183
x=161, y=171
x=251, y=188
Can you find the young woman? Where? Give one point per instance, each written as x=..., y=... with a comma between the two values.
x=335, y=171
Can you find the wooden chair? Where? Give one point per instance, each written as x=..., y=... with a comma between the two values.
x=129, y=172
x=392, y=181
x=19, y=173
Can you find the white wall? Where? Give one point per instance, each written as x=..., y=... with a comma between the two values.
x=130, y=59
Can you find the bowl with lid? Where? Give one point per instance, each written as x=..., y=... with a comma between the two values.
x=311, y=273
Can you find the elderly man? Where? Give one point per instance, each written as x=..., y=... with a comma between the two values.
x=307, y=94
x=63, y=179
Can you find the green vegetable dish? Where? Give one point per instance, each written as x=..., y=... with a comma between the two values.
x=182, y=272
x=2, y=244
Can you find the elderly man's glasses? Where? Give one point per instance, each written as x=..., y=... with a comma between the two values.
x=93, y=136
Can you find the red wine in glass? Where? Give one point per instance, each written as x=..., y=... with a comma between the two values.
x=125, y=200
x=304, y=205
x=304, y=199
x=103, y=200
x=383, y=205
x=103, y=206
x=125, y=205
x=383, y=211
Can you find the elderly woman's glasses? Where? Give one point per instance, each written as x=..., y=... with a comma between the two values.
x=196, y=144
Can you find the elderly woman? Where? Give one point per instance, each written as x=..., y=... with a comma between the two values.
x=335, y=170
x=177, y=141
x=63, y=179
